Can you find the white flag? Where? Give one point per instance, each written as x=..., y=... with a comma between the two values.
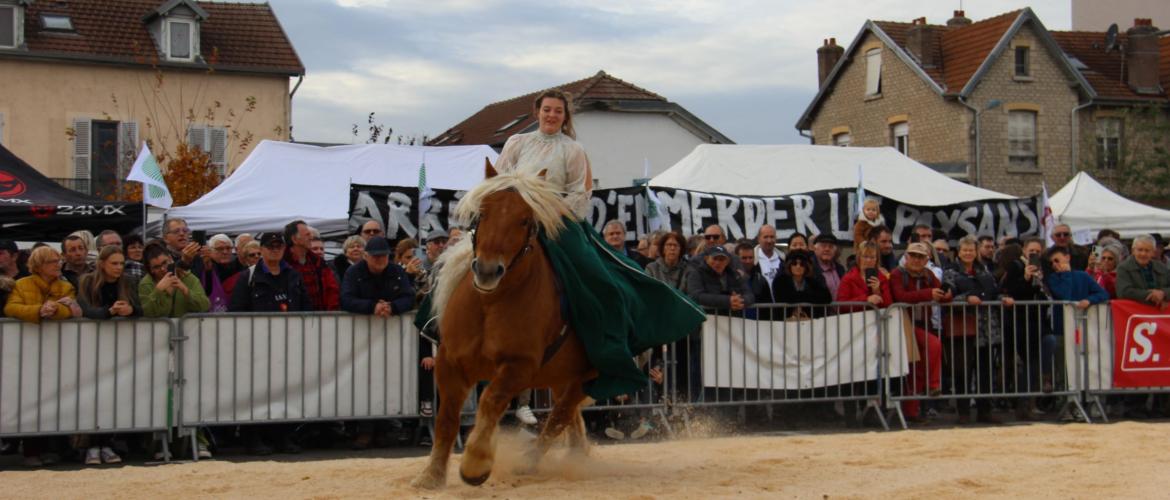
x=154, y=186
x=860, y=192
x=1047, y=221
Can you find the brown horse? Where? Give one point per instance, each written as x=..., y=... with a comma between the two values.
x=497, y=306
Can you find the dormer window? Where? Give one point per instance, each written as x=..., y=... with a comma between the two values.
x=175, y=28
x=180, y=40
x=56, y=22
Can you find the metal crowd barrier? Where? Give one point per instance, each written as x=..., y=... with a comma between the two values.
x=990, y=350
x=85, y=376
x=293, y=367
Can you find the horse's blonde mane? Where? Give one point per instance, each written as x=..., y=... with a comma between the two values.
x=548, y=208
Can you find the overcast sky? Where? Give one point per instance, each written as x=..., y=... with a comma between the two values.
x=747, y=68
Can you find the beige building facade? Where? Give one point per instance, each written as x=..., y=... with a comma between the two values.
x=88, y=82
x=56, y=100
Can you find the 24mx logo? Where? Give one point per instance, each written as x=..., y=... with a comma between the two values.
x=44, y=211
x=1147, y=336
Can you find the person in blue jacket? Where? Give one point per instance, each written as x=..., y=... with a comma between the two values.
x=1067, y=284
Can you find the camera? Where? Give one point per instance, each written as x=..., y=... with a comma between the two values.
x=171, y=268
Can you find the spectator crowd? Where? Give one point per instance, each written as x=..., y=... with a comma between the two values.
x=121, y=276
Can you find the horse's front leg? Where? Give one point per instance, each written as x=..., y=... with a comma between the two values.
x=566, y=413
x=453, y=389
x=480, y=453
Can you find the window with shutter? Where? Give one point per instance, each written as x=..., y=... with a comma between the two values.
x=843, y=139
x=127, y=147
x=901, y=137
x=873, y=72
x=197, y=137
x=1022, y=139
x=180, y=40
x=213, y=141
x=1108, y=142
x=217, y=137
x=81, y=149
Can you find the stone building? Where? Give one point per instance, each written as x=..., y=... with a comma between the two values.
x=1002, y=103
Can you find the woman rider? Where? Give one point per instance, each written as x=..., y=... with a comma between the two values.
x=615, y=308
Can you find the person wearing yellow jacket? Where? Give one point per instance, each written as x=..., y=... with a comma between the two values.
x=43, y=294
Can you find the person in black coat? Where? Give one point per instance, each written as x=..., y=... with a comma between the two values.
x=271, y=286
x=798, y=285
x=714, y=284
x=374, y=285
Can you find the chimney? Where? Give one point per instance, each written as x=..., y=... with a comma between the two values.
x=959, y=20
x=1141, y=57
x=827, y=56
x=920, y=41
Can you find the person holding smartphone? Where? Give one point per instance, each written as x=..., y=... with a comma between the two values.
x=866, y=282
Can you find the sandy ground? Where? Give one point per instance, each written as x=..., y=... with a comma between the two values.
x=1051, y=461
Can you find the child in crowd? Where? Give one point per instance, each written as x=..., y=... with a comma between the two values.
x=871, y=217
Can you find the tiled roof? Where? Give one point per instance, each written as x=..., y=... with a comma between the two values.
x=486, y=126
x=961, y=50
x=964, y=49
x=235, y=36
x=1105, y=70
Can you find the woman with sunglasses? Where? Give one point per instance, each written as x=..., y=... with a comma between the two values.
x=797, y=285
x=1104, y=269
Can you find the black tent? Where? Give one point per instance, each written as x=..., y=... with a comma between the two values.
x=34, y=208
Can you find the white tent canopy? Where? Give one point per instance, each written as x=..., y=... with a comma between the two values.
x=1086, y=205
x=795, y=169
x=280, y=182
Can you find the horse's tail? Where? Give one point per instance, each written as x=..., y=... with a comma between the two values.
x=453, y=265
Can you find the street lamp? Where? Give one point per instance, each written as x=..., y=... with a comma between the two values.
x=991, y=104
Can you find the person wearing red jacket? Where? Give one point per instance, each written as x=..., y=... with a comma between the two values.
x=913, y=283
x=319, y=281
x=875, y=289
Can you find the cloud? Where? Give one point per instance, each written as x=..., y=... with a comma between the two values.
x=428, y=64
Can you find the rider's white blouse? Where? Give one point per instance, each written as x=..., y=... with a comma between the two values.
x=562, y=157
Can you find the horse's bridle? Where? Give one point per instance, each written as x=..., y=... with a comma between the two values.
x=473, y=229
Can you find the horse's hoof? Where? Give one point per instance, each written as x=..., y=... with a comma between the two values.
x=477, y=480
x=428, y=481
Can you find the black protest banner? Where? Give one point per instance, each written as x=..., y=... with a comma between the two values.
x=397, y=209
x=740, y=216
x=810, y=213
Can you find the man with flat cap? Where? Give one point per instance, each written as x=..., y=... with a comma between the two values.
x=375, y=285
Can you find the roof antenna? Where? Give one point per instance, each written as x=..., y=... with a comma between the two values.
x=1111, y=38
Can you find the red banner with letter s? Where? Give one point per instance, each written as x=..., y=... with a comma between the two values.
x=1141, y=336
